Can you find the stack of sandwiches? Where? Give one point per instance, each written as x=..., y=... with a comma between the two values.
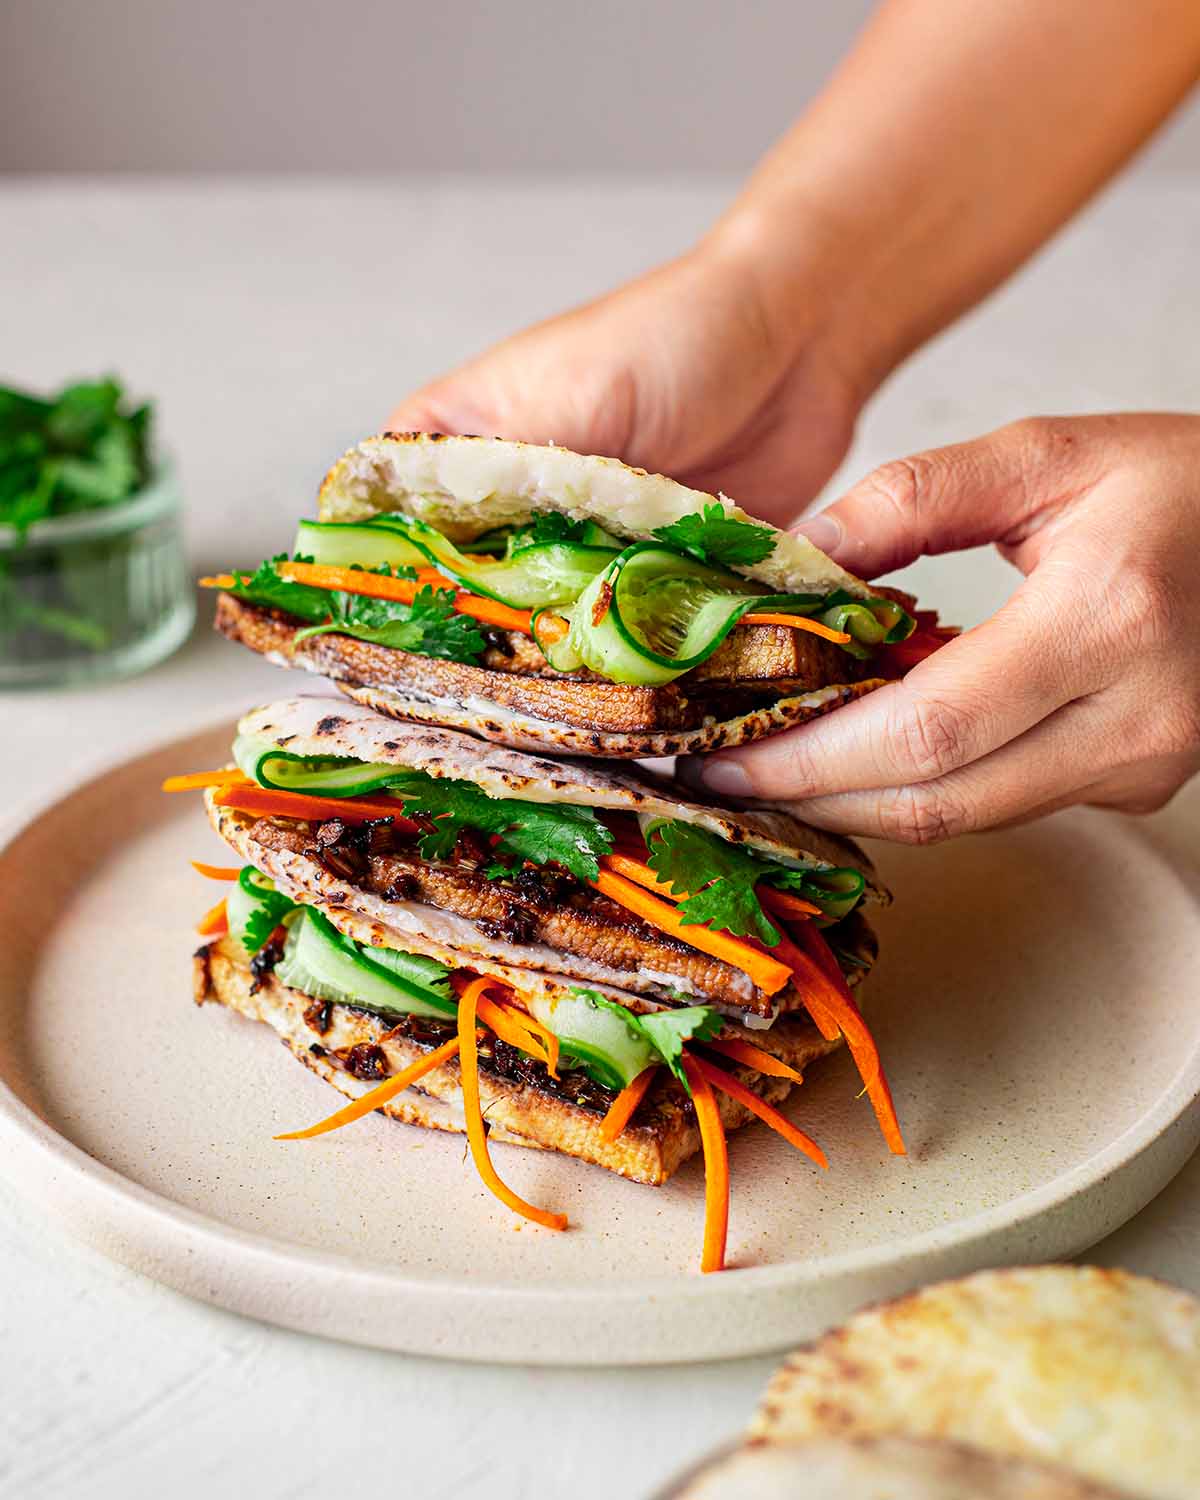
x=457, y=899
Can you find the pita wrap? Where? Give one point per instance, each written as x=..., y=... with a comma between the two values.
x=528, y=1109
x=1095, y=1370
x=510, y=708
x=469, y=924
x=748, y=680
x=885, y=1468
x=465, y=486
x=320, y=728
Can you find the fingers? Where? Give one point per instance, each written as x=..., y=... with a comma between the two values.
x=993, y=489
x=1086, y=752
x=973, y=696
x=448, y=405
x=1047, y=768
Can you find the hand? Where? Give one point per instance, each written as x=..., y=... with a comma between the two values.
x=691, y=371
x=1084, y=687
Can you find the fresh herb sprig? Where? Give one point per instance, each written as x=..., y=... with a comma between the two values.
x=429, y=626
x=710, y=536
x=723, y=880
x=543, y=833
x=80, y=449
x=665, y=1030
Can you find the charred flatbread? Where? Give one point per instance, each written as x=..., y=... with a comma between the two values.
x=551, y=600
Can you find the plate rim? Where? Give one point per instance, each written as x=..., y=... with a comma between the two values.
x=35, y=1143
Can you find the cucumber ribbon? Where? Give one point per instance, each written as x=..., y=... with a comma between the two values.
x=653, y=614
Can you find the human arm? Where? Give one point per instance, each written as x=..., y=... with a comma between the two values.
x=951, y=142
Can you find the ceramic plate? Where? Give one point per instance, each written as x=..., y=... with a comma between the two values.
x=1028, y=1004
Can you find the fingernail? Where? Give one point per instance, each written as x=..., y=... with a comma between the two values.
x=822, y=531
x=726, y=777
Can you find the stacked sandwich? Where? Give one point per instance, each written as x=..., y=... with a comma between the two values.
x=453, y=928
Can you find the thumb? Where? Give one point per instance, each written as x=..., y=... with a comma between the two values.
x=447, y=405
x=993, y=489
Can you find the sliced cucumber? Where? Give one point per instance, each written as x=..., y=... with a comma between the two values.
x=341, y=545
x=597, y=1034
x=653, y=614
x=321, y=962
x=869, y=622
x=532, y=577
x=836, y=892
x=330, y=776
x=497, y=542
x=254, y=908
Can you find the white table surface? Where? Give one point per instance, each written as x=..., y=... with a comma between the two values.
x=275, y=322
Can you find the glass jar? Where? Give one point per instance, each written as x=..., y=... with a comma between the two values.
x=103, y=593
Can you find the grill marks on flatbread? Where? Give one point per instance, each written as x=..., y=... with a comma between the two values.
x=564, y=714
x=455, y=918
x=319, y=728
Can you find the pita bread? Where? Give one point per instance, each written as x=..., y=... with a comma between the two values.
x=887, y=1468
x=329, y=727
x=468, y=485
x=1096, y=1370
x=525, y=1112
x=521, y=730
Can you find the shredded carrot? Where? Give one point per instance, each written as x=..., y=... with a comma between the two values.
x=765, y=1112
x=404, y=591
x=543, y=1033
x=621, y=1110
x=768, y=973
x=798, y=622
x=215, y=921
x=785, y=903
x=518, y=1030
x=196, y=781
x=265, y=802
x=640, y=873
x=476, y=1134
x=716, y=1166
x=821, y=969
x=216, y=872
x=754, y=1057
x=217, y=581
x=553, y=628
x=814, y=997
x=373, y=1098
x=436, y=578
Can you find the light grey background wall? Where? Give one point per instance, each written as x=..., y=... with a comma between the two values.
x=254, y=85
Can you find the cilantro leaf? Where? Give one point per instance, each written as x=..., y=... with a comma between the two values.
x=264, y=917
x=80, y=449
x=428, y=626
x=266, y=588
x=552, y=526
x=723, y=879
x=667, y=1030
x=664, y=1030
x=546, y=526
x=542, y=833
x=713, y=537
x=415, y=968
x=720, y=876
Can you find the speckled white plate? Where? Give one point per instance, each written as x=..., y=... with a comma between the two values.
x=1034, y=1003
